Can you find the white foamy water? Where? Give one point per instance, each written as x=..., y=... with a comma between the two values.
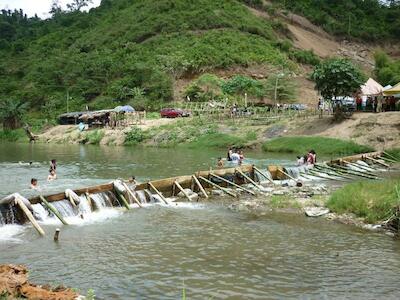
x=10, y=233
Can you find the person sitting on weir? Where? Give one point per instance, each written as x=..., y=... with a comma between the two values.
x=220, y=163
x=311, y=158
x=300, y=160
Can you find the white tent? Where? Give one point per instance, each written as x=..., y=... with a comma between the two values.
x=371, y=88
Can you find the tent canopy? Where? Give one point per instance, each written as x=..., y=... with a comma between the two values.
x=393, y=91
x=371, y=88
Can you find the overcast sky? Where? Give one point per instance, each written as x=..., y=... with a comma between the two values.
x=32, y=7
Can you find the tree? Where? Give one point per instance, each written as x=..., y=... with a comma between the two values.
x=11, y=113
x=280, y=88
x=76, y=5
x=337, y=77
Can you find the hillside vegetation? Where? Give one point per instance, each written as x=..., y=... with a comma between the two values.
x=127, y=51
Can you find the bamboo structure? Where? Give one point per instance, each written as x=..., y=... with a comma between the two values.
x=199, y=186
x=53, y=210
x=233, y=184
x=131, y=194
x=29, y=215
x=218, y=187
x=158, y=193
x=182, y=190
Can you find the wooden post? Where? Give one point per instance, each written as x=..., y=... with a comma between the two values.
x=232, y=183
x=131, y=193
x=56, y=234
x=200, y=186
x=29, y=215
x=269, y=179
x=158, y=193
x=182, y=190
x=53, y=210
x=248, y=178
x=218, y=187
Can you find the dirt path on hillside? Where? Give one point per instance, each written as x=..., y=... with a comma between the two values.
x=381, y=131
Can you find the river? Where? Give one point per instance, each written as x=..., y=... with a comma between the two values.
x=204, y=250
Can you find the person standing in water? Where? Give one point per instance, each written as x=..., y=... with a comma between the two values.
x=34, y=184
x=52, y=176
x=53, y=165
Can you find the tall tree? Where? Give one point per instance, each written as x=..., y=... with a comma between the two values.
x=11, y=113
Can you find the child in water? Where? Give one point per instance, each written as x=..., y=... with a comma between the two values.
x=52, y=176
x=34, y=184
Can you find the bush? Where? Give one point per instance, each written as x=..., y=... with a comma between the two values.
x=134, y=136
x=307, y=57
x=94, y=137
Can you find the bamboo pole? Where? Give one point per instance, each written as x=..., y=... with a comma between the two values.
x=200, y=186
x=158, y=193
x=377, y=162
x=286, y=174
x=360, y=174
x=72, y=201
x=363, y=170
x=314, y=173
x=269, y=179
x=248, y=178
x=218, y=187
x=331, y=172
x=29, y=215
x=388, y=159
x=89, y=200
x=53, y=210
x=391, y=156
x=131, y=193
x=182, y=190
x=123, y=199
x=232, y=183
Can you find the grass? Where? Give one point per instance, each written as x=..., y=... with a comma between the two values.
x=217, y=140
x=321, y=145
x=394, y=152
x=371, y=200
x=283, y=201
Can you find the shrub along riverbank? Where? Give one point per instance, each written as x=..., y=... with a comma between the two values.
x=373, y=200
x=322, y=145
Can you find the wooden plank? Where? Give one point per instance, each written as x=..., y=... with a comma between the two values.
x=200, y=186
x=182, y=190
x=261, y=173
x=131, y=194
x=29, y=215
x=232, y=183
x=218, y=187
x=377, y=162
x=158, y=193
x=248, y=179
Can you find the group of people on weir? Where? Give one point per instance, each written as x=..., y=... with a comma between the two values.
x=52, y=175
x=234, y=155
x=309, y=159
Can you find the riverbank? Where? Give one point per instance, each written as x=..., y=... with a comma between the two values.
x=14, y=284
x=362, y=133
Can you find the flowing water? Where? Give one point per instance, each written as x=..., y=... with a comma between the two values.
x=205, y=250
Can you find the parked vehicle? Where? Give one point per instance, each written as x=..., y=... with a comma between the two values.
x=173, y=113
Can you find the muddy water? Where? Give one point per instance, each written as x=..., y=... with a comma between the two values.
x=207, y=251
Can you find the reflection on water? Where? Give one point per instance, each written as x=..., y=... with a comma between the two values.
x=149, y=253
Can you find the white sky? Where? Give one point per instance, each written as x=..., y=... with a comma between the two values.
x=39, y=7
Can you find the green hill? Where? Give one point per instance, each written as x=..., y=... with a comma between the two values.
x=133, y=51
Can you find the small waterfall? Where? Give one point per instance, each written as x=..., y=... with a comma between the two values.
x=65, y=208
x=10, y=215
x=112, y=198
x=40, y=212
x=101, y=200
x=2, y=221
x=142, y=196
x=84, y=206
x=293, y=171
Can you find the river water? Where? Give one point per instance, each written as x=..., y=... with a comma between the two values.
x=205, y=250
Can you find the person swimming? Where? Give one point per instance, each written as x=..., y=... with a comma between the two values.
x=34, y=184
x=52, y=176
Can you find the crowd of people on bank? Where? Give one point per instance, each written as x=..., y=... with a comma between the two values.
x=52, y=175
x=234, y=155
